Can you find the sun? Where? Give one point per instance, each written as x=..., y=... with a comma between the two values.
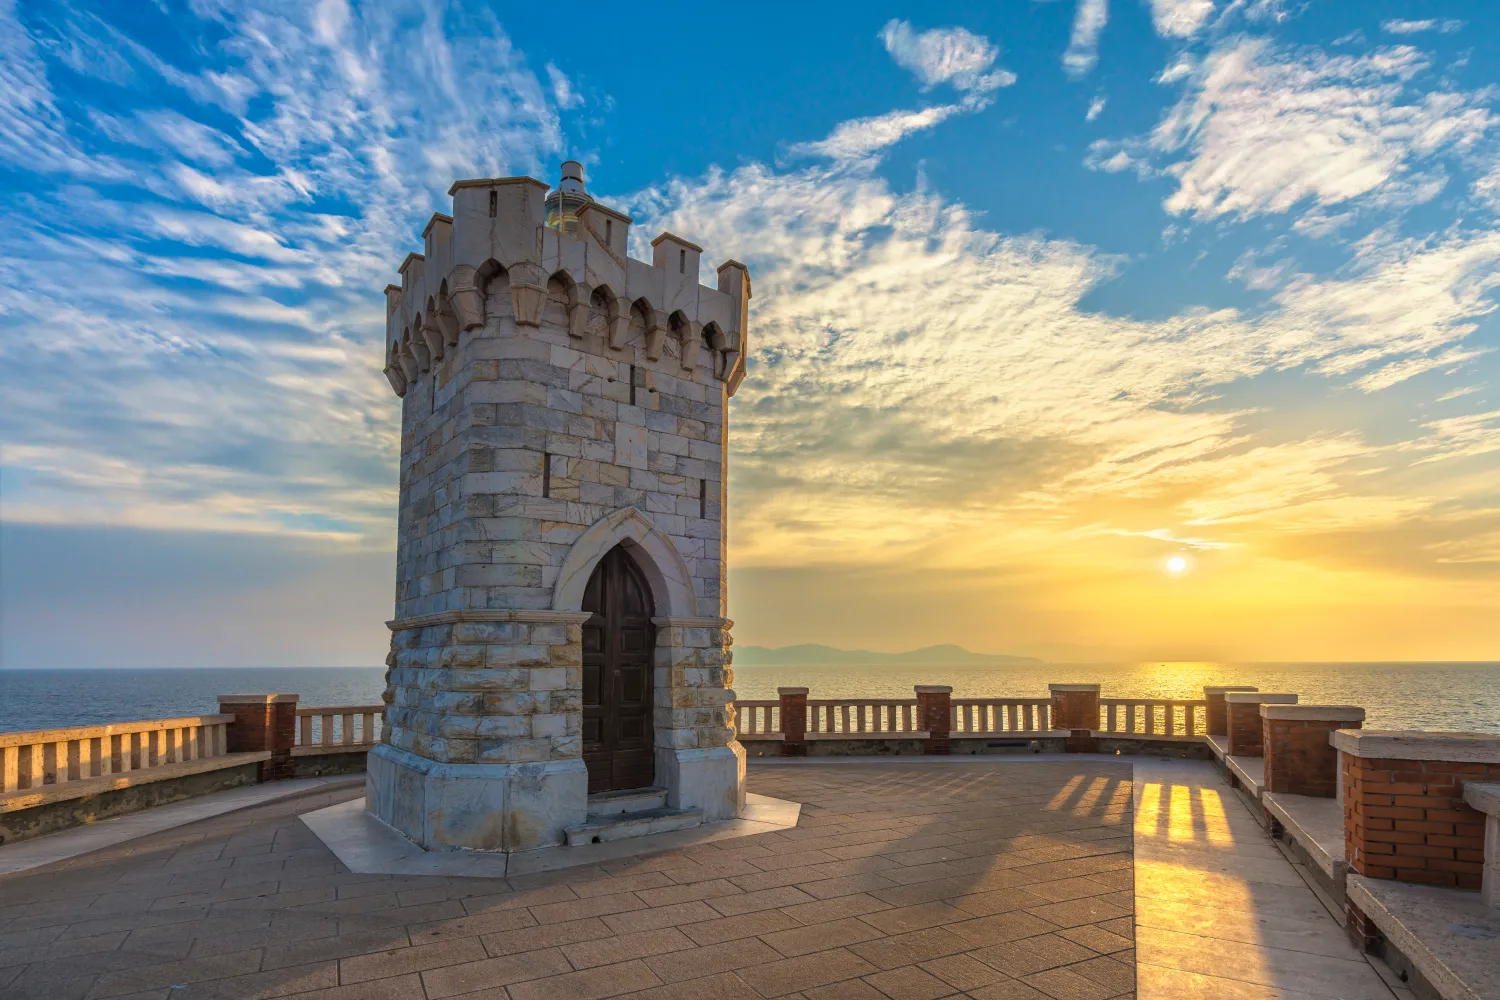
x=1177, y=565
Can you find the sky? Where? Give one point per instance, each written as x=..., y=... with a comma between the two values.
x=1087, y=329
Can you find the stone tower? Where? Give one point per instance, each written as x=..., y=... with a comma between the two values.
x=560, y=580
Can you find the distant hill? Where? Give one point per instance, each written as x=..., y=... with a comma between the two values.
x=812, y=655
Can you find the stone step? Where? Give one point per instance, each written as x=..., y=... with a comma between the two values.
x=630, y=800
x=636, y=824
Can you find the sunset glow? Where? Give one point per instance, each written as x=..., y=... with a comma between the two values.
x=1175, y=338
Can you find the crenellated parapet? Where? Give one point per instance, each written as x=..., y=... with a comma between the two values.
x=495, y=262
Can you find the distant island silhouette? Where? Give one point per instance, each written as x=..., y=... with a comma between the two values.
x=813, y=654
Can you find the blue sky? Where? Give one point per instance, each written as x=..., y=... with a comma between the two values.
x=1046, y=292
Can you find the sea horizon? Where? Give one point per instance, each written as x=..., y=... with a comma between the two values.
x=1451, y=695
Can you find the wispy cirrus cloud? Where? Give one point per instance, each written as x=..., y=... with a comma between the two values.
x=1402, y=26
x=1082, y=54
x=955, y=56
x=1180, y=18
x=1267, y=129
x=219, y=327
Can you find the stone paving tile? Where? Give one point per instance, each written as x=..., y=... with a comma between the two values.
x=820, y=937
x=909, y=983
x=727, y=957
x=590, y=984
x=928, y=881
x=775, y=979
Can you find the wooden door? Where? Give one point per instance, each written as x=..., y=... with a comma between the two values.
x=617, y=647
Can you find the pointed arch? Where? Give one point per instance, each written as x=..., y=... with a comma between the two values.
x=655, y=554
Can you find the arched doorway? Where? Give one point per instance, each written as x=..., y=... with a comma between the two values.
x=617, y=652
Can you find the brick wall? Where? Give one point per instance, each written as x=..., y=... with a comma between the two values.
x=1407, y=820
x=1216, y=719
x=934, y=710
x=793, y=721
x=1299, y=758
x=1246, y=736
x=263, y=722
x=1075, y=706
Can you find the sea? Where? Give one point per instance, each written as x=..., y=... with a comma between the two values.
x=1431, y=696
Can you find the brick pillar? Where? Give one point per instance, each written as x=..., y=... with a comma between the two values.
x=793, y=721
x=1214, y=715
x=1300, y=760
x=1405, y=814
x=1245, y=731
x=934, y=709
x=263, y=722
x=1075, y=707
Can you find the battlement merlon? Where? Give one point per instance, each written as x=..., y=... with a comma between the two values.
x=499, y=229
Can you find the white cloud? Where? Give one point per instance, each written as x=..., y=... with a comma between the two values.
x=954, y=56
x=1401, y=26
x=1180, y=18
x=562, y=88
x=897, y=341
x=1083, y=47
x=862, y=137
x=1263, y=129
x=213, y=335
x=1096, y=108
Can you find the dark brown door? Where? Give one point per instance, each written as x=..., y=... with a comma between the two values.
x=617, y=743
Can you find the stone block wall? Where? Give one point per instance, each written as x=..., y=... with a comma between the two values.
x=693, y=677
x=488, y=692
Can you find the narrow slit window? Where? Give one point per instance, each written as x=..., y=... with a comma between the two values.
x=632, y=385
x=682, y=262
x=703, y=498
x=609, y=231
x=546, y=474
x=494, y=203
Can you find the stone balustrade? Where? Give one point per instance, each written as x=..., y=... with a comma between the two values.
x=33, y=759
x=333, y=729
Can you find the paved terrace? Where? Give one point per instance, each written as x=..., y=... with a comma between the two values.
x=992, y=879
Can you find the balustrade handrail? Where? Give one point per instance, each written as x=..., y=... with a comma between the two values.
x=340, y=710
x=34, y=736
x=1191, y=712
x=40, y=757
x=341, y=735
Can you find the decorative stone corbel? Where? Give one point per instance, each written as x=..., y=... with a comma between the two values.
x=692, y=342
x=432, y=334
x=619, y=329
x=449, y=325
x=656, y=336
x=528, y=291
x=408, y=363
x=466, y=298
x=578, y=320
x=419, y=352
x=397, y=378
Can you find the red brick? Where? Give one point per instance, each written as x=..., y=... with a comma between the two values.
x=1459, y=867
x=1422, y=826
